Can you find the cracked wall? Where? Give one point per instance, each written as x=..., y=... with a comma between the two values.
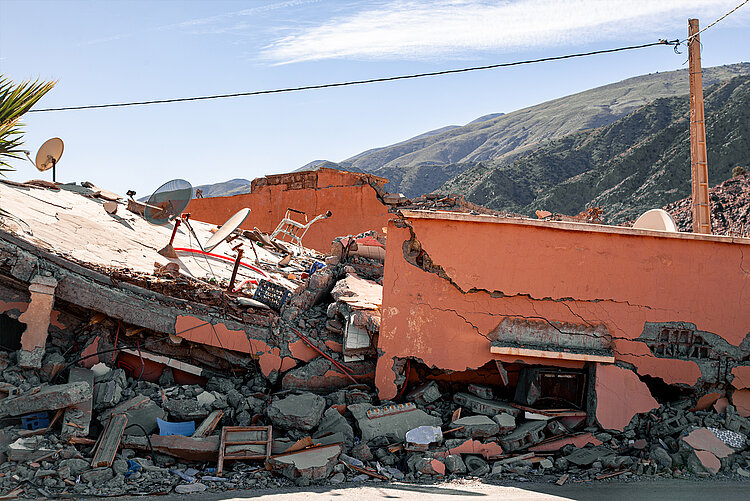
x=482, y=270
x=350, y=197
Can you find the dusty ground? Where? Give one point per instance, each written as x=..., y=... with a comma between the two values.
x=663, y=490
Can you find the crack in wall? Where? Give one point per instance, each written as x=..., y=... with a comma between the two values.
x=415, y=255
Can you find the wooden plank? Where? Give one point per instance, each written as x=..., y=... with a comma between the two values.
x=78, y=417
x=209, y=424
x=110, y=441
x=557, y=355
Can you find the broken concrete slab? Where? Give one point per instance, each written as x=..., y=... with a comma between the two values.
x=525, y=435
x=392, y=427
x=310, y=464
x=741, y=401
x=505, y=422
x=475, y=427
x=424, y=394
x=430, y=466
x=47, y=398
x=77, y=417
x=455, y=464
x=587, y=456
x=483, y=406
x=139, y=410
x=481, y=391
x=489, y=450
x=300, y=412
x=37, y=318
x=703, y=439
x=620, y=395
x=706, y=461
x=580, y=440
x=334, y=422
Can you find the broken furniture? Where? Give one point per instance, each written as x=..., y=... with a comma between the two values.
x=244, y=443
x=295, y=230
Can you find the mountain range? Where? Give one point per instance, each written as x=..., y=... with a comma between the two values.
x=620, y=146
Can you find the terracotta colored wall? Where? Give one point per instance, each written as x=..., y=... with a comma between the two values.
x=355, y=208
x=563, y=272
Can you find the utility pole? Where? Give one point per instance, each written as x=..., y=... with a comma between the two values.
x=698, y=155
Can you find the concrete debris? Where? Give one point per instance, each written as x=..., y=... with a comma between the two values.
x=392, y=428
x=475, y=427
x=312, y=464
x=422, y=437
x=300, y=412
x=307, y=360
x=46, y=398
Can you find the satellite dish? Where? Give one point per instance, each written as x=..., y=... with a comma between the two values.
x=49, y=154
x=227, y=228
x=655, y=219
x=168, y=202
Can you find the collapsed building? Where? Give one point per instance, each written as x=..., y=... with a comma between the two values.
x=438, y=340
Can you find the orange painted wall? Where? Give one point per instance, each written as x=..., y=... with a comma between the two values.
x=564, y=272
x=354, y=205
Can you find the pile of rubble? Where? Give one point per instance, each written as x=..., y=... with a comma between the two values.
x=342, y=436
x=730, y=208
x=222, y=388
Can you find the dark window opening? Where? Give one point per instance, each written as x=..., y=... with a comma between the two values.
x=10, y=333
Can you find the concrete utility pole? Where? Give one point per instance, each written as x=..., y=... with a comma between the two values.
x=698, y=155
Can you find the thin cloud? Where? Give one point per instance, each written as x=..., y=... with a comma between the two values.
x=455, y=28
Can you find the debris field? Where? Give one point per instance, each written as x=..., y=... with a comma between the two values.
x=389, y=358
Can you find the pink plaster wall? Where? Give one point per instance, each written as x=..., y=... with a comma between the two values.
x=563, y=272
x=354, y=205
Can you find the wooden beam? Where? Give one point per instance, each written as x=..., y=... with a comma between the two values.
x=208, y=425
x=105, y=452
x=698, y=154
x=558, y=355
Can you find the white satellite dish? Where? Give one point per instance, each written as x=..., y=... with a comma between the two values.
x=655, y=219
x=227, y=228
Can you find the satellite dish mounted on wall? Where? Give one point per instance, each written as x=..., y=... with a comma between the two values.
x=227, y=229
x=48, y=155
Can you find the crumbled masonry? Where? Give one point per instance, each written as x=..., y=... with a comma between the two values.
x=103, y=353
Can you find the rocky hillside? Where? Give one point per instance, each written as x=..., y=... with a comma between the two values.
x=639, y=162
x=422, y=164
x=730, y=208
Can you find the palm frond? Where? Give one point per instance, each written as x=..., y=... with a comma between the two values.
x=15, y=100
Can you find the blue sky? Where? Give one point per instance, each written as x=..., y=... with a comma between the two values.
x=101, y=52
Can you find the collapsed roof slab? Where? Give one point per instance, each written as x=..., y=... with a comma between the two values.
x=451, y=280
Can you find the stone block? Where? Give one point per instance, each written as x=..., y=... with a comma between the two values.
x=300, y=412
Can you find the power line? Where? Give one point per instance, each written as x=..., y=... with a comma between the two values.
x=356, y=82
x=715, y=22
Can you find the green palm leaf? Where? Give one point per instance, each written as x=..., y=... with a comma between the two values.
x=15, y=100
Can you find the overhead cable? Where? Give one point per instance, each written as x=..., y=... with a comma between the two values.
x=715, y=22
x=355, y=82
